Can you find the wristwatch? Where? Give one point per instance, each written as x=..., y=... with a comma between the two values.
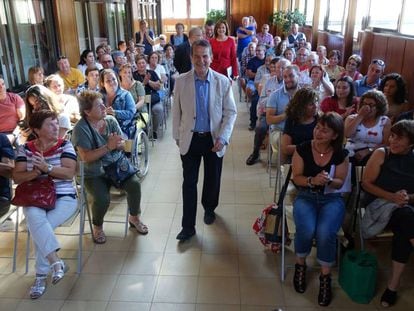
x=49, y=168
x=309, y=182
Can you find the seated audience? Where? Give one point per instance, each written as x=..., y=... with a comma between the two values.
x=273, y=83
x=319, y=81
x=351, y=68
x=301, y=58
x=369, y=128
x=318, y=216
x=162, y=42
x=388, y=180
x=92, y=81
x=301, y=117
x=333, y=70
x=48, y=155
x=119, y=102
x=6, y=167
x=289, y=54
x=87, y=60
x=98, y=140
x=72, y=77
x=36, y=75
x=152, y=85
x=12, y=110
x=394, y=88
x=128, y=83
x=279, y=49
x=373, y=78
x=68, y=102
x=343, y=101
x=107, y=61
x=39, y=98
x=295, y=35
x=321, y=51
x=154, y=64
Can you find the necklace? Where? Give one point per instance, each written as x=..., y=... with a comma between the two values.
x=321, y=154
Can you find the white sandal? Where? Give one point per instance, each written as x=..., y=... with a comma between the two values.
x=58, y=270
x=39, y=286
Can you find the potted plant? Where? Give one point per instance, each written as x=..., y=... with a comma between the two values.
x=216, y=15
x=283, y=20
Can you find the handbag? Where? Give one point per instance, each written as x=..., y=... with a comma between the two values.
x=358, y=275
x=39, y=192
x=269, y=226
x=118, y=171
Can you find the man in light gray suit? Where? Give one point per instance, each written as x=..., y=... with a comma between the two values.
x=204, y=113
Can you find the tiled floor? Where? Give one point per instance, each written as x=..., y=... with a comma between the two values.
x=223, y=268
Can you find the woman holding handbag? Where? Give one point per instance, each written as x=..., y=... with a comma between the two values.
x=98, y=140
x=47, y=156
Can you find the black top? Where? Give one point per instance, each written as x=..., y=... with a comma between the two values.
x=409, y=115
x=299, y=132
x=155, y=97
x=182, y=58
x=6, y=151
x=397, y=172
x=172, y=39
x=310, y=168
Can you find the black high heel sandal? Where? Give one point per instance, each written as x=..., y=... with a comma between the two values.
x=388, y=298
x=325, y=290
x=299, y=278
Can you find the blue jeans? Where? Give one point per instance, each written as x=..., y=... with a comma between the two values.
x=318, y=216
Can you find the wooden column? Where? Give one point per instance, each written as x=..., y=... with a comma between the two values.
x=67, y=30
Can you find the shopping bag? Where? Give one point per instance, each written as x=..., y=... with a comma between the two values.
x=358, y=275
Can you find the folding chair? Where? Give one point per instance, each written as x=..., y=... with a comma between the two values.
x=82, y=208
x=12, y=210
x=270, y=151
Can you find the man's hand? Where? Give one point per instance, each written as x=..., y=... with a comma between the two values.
x=218, y=145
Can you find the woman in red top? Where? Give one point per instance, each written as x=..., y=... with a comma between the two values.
x=343, y=101
x=224, y=50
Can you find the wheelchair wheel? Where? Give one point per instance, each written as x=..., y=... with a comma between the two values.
x=139, y=153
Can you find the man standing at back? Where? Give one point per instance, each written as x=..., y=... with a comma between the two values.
x=295, y=36
x=204, y=113
x=182, y=58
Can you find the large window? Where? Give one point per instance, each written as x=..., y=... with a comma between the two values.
x=101, y=21
x=26, y=39
x=307, y=7
x=333, y=14
x=183, y=9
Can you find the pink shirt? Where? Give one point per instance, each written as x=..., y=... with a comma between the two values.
x=8, y=112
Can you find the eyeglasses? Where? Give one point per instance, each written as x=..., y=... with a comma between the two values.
x=378, y=62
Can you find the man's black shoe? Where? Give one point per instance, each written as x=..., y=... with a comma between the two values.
x=209, y=218
x=252, y=159
x=185, y=234
x=251, y=127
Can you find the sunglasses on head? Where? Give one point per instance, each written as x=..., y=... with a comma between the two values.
x=378, y=62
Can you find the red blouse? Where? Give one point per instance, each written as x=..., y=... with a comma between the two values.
x=224, y=56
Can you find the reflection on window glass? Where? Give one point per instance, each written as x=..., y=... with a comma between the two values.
x=167, y=8
x=97, y=24
x=407, y=25
x=361, y=13
x=307, y=7
x=322, y=14
x=385, y=14
x=82, y=31
x=197, y=9
x=338, y=10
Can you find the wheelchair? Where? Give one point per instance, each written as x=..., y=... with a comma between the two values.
x=139, y=149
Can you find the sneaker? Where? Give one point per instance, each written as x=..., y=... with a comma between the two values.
x=252, y=159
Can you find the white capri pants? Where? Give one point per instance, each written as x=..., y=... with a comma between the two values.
x=41, y=224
